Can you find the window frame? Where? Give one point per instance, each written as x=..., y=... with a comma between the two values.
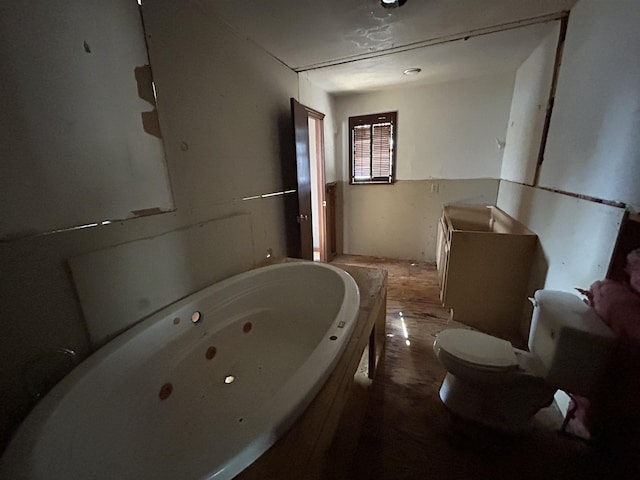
x=372, y=119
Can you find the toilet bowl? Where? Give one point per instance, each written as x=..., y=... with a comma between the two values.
x=489, y=381
x=492, y=383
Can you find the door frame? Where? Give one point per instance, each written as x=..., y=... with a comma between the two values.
x=318, y=156
x=305, y=190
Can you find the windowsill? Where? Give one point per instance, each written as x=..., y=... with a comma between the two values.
x=372, y=183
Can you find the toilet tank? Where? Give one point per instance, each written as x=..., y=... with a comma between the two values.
x=571, y=341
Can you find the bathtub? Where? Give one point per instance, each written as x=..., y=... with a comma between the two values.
x=200, y=389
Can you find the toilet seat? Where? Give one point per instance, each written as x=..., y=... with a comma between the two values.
x=477, y=349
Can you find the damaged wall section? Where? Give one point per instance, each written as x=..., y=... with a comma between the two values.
x=80, y=143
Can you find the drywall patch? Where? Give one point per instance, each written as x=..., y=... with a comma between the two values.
x=120, y=285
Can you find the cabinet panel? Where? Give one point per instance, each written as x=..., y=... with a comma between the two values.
x=445, y=269
x=485, y=272
x=440, y=240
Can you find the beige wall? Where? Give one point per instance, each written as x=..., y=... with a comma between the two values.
x=74, y=150
x=447, y=153
x=400, y=220
x=529, y=110
x=212, y=88
x=316, y=98
x=594, y=141
x=577, y=235
x=445, y=130
x=592, y=151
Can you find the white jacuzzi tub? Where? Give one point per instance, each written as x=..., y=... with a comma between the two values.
x=173, y=399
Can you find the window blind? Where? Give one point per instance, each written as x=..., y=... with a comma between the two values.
x=372, y=148
x=362, y=151
x=381, y=150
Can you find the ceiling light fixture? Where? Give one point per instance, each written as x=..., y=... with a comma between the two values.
x=392, y=3
x=412, y=71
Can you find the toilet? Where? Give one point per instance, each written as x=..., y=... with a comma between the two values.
x=490, y=382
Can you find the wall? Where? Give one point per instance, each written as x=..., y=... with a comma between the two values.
x=401, y=220
x=447, y=152
x=314, y=97
x=528, y=111
x=576, y=236
x=592, y=150
x=445, y=130
x=212, y=87
x=75, y=150
x=594, y=138
x=576, y=240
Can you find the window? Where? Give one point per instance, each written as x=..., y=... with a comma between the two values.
x=372, y=150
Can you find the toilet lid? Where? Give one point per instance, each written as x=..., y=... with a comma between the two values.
x=477, y=348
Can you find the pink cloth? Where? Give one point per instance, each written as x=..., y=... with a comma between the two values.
x=619, y=306
x=613, y=411
x=633, y=269
x=615, y=408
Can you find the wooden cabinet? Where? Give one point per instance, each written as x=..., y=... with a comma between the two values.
x=484, y=260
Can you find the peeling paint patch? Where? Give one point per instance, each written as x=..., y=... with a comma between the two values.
x=150, y=123
x=144, y=79
x=147, y=211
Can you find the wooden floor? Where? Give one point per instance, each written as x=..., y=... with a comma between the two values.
x=406, y=432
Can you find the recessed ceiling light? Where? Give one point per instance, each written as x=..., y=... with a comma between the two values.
x=412, y=71
x=392, y=3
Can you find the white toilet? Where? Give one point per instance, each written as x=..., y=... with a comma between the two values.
x=492, y=383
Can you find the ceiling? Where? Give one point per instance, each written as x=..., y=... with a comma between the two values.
x=355, y=45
